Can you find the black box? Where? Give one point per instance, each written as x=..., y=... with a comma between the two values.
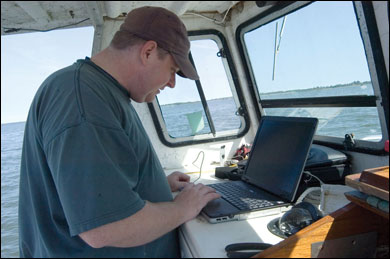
x=328, y=164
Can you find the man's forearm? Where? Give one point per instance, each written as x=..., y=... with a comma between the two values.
x=153, y=220
x=148, y=224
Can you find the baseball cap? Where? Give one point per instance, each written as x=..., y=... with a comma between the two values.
x=165, y=28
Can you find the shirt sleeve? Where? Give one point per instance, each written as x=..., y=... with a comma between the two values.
x=95, y=171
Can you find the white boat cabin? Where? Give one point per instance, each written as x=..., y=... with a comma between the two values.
x=328, y=60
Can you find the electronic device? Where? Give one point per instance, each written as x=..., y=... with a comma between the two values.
x=273, y=172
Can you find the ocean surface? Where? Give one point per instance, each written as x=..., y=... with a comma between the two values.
x=335, y=122
x=363, y=122
x=11, y=151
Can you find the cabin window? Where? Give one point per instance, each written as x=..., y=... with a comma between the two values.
x=203, y=110
x=311, y=62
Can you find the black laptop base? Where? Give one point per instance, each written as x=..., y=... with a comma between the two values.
x=229, y=209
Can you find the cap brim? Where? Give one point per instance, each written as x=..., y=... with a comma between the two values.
x=187, y=70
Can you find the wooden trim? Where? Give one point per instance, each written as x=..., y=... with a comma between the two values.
x=347, y=221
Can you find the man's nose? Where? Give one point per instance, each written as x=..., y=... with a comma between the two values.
x=172, y=81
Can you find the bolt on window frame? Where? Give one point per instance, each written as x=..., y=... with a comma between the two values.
x=237, y=95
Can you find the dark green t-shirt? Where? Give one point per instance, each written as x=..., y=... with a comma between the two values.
x=86, y=161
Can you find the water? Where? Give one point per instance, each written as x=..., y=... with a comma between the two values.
x=222, y=112
x=361, y=121
x=11, y=151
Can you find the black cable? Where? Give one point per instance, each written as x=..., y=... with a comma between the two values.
x=8, y=30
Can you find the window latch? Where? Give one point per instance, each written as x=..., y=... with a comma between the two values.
x=221, y=53
x=240, y=112
x=349, y=141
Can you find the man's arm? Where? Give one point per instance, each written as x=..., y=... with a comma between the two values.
x=152, y=221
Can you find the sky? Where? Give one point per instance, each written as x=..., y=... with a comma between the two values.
x=211, y=73
x=320, y=46
x=27, y=59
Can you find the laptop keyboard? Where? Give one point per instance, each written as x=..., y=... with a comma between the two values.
x=240, y=197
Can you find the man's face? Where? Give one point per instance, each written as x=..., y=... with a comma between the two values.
x=162, y=74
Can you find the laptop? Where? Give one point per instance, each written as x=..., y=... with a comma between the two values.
x=271, y=177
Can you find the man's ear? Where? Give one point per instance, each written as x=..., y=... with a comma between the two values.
x=146, y=50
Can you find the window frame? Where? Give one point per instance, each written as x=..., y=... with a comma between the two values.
x=370, y=37
x=237, y=94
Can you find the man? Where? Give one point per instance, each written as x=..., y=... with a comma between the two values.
x=91, y=184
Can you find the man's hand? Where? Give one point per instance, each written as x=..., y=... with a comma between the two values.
x=178, y=181
x=193, y=198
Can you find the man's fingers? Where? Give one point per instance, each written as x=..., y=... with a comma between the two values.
x=212, y=196
x=200, y=189
x=184, y=177
x=181, y=185
x=188, y=186
x=181, y=176
x=198, y=186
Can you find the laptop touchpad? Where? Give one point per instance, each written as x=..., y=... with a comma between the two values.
x=219, y=207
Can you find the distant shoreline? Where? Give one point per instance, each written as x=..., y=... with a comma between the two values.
x=7, y=123
x=354, y=83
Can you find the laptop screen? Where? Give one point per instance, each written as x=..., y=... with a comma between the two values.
x=279, y=153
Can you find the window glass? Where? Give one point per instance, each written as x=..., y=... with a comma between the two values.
x=176, y=103
x=362, y=122
x=181, y=107
x=316, y=51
